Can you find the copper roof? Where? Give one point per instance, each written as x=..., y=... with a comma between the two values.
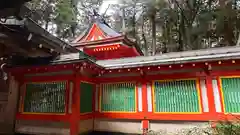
x=204, y=55
x=105, y=28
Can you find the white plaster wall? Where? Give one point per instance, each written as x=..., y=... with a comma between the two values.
x=42, y=130
x=86, y=126
x=175, y=126
x=42, y=127
x=134, y=127
x=117, y=126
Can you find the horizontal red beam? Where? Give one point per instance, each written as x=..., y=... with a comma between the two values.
x=85, y=79
x=150, y=77
x=48, y=78
x=133, y=116
x=235, y=72
x=182, y=117
x=54, y=68
x=20, y=116
x=86, y=116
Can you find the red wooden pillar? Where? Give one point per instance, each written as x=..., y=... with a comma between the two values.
x=145, y=121
x=74, y=118
x=210, y=95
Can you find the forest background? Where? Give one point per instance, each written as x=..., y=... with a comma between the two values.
x=158, y=26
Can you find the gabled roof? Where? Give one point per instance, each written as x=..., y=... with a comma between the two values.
x=100, y=33
x=107, y=30
x=103, y=26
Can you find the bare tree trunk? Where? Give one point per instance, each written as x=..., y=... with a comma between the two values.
x=181, y=33
x=188, y=39
x=144, y=38
x=134, y=21
x=153, y=34
x=123, y=21
x=238, y=41
x=228, y=22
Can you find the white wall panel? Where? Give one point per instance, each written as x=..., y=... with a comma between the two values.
x=204, y=95
x=216, y=93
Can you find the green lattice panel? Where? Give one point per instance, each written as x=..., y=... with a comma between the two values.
x=176, y=96
x=118, y=97
x=86, y=97
x=46, y=97
x=231, y=94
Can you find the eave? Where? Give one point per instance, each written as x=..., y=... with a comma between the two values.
x=112, y=40
x=55, y=42
x=223, y=53
x=170, y=61
x=30, y=31
x=99, y=42
x=72, y=62
x=201, y=59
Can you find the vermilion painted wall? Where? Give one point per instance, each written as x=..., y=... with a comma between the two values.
x=139, y=115
x=145, y=115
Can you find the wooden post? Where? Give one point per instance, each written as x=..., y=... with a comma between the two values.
x=145, y=121
x=210, y=95
x=74, y=118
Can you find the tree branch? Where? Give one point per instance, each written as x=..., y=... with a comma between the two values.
x=238, y=41
x=182, y=10
x=198, y=5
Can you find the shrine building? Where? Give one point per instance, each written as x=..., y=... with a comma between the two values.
x=110, y=86
x=102, y=42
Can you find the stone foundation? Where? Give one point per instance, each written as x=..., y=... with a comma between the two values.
x=42, y=127
x=175, y=126
x=86, y=126
x=104, y=125
x=122, y=126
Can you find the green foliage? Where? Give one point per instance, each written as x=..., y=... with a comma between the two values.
x=227, y=128
x=65, y=17
x=221, y=128
x=179, y=25
x=65, y=13
x=194, y=24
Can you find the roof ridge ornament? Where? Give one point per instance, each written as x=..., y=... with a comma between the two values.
x=98, y=18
